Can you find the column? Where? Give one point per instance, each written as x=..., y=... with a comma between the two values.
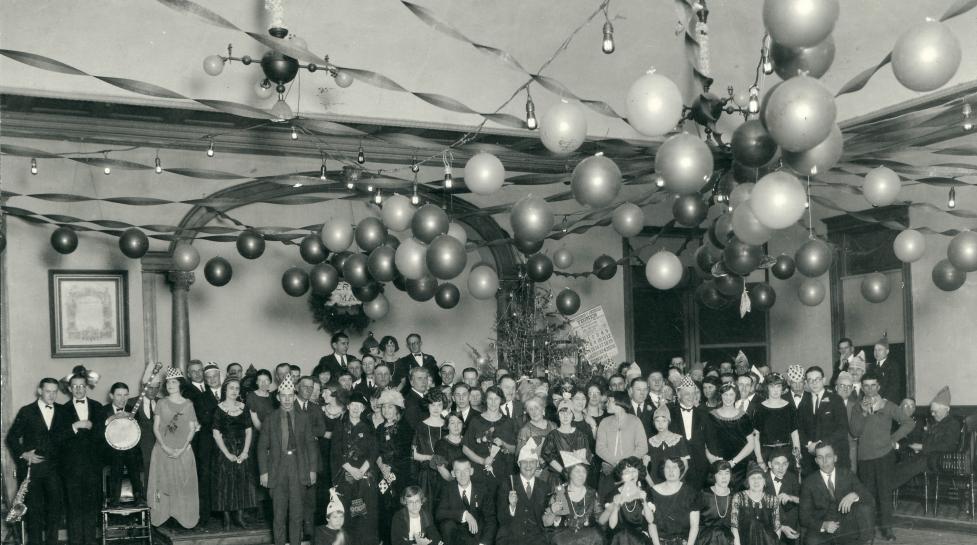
x=180, y=282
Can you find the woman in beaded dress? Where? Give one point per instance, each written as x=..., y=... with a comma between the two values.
x=353, y=458
x=575, y=508
x=729, y=434
x=628, y=512
x=755, y=517
x=714, y=520
x=394, y=439
x=232, y=467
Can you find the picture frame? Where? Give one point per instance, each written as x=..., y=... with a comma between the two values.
x=89, y=313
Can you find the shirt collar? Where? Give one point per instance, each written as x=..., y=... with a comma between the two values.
x=41, y=404
x=826, y=476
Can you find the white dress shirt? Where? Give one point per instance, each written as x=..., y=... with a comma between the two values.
x=414, y=526
x=687, y=421
x=464, y=491
x=47, y=411
x=81, y=407
x=829, y=479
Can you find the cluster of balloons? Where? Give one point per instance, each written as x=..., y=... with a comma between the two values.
x=951, y=273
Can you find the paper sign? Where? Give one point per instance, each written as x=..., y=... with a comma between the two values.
x=592, y=327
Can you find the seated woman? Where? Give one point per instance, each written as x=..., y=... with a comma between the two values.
x=755, y=517
x=628, y=512
x=677, y=514
x=664, y=445
x=448, y=448
x=332, y=533
x=714, y=520
x=575, y=507
x=413, y=523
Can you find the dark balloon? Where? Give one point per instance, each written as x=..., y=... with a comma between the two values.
x=539, y=268
x=721, y=230
x=64, y=240
x=947, y=277
x=250, y=244
x=752, y=144
x=355, y=271
x=295, y=282
x=218, y=271
x=446, y=257
x=875, y=287
x=447, y=295
x=368, y=292
x=730, y=285
x=370, y=233
x=422, y=289
x=324, y=278
x=338, y=259
x=391, y=241
x=428, y=222
x=813, y=258
x=529, y=247
x=742, y=258
x=709, y=296
x=381, y=263
x=707, y=256
x=312, y=250
x=605, y=267
x=689, y=210
x=400, y=282
x=134, y=243
x=784, y=267
x=762, y=297
x=567, y=302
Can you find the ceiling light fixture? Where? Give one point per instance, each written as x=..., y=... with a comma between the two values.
x=531, y=122
x=33, y=166
x=951, y=201
x=159, y=164
x=968, y=117
x=210, y=150
x=360, y=156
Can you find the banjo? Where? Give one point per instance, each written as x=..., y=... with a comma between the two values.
x=122, y=432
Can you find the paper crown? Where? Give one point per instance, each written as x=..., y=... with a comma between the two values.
x=287, y=386
x=857, y=361
x=687, y=383
x=574, y=457
x=795, y=373
x=741, y=358
x=632, y=372
x=529, y=451
x=334, y=506
x=845, y=377
x=211, y=366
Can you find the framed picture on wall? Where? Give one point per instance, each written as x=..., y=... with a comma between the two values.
x=89, y=313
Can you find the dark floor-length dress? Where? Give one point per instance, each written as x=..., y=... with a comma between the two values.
x=775, y=427
x=725, y=438
x=355, y=444
x=757, y=522
x=714, y=520
x=234, y=483
x=425, y=474
x=394, y=446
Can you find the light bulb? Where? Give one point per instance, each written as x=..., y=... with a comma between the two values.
x=767, y=67
x=33, y=166
x=360, y=156
x=159, y=166
x=951, y=201
x=349, y=184
x=754, y=105
x=659, y=181
x=968, y=121
x=295, y=134
x=415, y=168
x=531, y=122
x=297, y=184
x=281, y=111
x=210, y=150
x=107, y=170
x=414, y=199
x=322, y=172
x=369, y=188
x=607, y=46
x=807, y=204
x=448, y=180
x=263, y=89
x=378, y=198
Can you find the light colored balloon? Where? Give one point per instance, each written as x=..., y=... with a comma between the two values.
x=484, y=174
x=378, y=308
x=740, y=194
x=483, y=282
x=664, y=270
x=962, y=251
x=337, y=234
x=628, y=220
x=926, y=56
x=778, y=200
x=819, y=159
x=654, y=105
x=811, y=292
x=397, y=212
x=185, y=257
x=881, y=186
x=909, y=245
x=410, y=259
x=685, y=163
x=800, y=113
x=456, y=230
x=748, y=228
x=800, y=23
x=563, y=258
x=531, y=219
x=563, y=128
x=596, y=181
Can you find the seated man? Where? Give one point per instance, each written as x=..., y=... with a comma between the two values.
x=940, y=436
x=836, y=508
x=465, y=512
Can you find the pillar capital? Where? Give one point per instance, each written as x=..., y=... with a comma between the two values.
x=180, y=280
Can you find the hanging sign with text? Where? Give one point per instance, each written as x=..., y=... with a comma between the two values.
x=592, y=327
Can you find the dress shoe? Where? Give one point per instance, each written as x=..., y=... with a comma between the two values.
x=887, y=534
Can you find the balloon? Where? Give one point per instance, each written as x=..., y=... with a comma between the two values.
x=381, y=264
x=529, y=247
x=811, y=292
x=446, y=257
x=628, y=220
x=377, y=308
x=563, y=258
x=799, y=23
x=752, y=145
x=563, y=128
x=458, y=232
x=355, y=271
x=664, y=270
x=185, y=257
x=370, y=234
x=367, y=292
x=312, y=250
x=800, y=113
x=596, y=181
x=213, y=64
x=685, y=163
x=813, y=258
x=926, y=56
x=295, y=282
x=947, y=277
x=730, y=285
x=531, y=219
x=820, y=158
x=689, y=210
x=709, y=296
x=339, y=259
x=410, y=259
x=250, y=244
x=654, y=105
x=814, y=60
x=778, y=200
x=324, y=278
x=428, y=222
x=962, y=251
x=766, y=100
x=484, y=174
x=605, y=267
x=400, y=282
x=337, y=234
x=447, y=295
x=539, y=268
x=397, y=212
x=707, y=256
x=218, y=271
x=64, y=240
x=875, y=287
x=762, y=297
x=567, y=301
x=422, y=289
x=483, y=282
x=747, y=227
x=391, y=241
x=784, y=267
x=721, y=230
x=134, y=243
x=742, y=258
x=744, y=174
x=909, y=245
x=740, y=194
x=881, y=186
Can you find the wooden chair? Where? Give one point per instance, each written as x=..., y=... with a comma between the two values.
x=955, y=471
x=917, y=487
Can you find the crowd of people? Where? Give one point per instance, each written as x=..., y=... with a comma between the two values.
x=391, y=448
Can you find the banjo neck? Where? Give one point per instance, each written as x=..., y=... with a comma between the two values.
x=145, y=388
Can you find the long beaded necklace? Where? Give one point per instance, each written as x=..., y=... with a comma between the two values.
x=715, y=499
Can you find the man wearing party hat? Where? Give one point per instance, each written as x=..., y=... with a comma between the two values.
x=942, y=435
x=332, y=532
x=522, y=500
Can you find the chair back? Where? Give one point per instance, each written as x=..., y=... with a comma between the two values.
x=963, y=462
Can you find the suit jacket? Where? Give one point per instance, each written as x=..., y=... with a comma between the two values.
x=361, y=387
x=527, y=522
x=271, y=451
x=892, y=379
x=472, y=412
x=646, y=416
x=107, y=412
x=851, y=405
x=819, y=506
x=29, y=432
x=789, y=512
x=82, y=450
x=408, y=362
x=837, y=367
x=317, y=423
x=331, y=362
x=204, y=405
x=415, y=408
x=829, y=424
x=941, y=437
x=400, y=528
x=450, y=508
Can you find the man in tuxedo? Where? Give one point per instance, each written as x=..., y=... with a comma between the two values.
x=940, y=435
x=415, y=408
x=835, y=507
x=892, y=375
x=470, y=377
x=521, y=501
x=846, y=349
x=462, y=402
x=783, y=483
x=447, y=372
x=513, y=407
x=416, y=358
x=690, y=421
x=195, y=374
x=821, y=417
x=204, y=405
x=305, y=405
x=81, y=462
x=843, y=387
x=639, y=406
x=338, y=361
x=35, y=439
x=367, y=385
x=655, y=384
x=795, y=380
x=465, y=512
x=747, y=393
x=856, y=366
x=130, y=459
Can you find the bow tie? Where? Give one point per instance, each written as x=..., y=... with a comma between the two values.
x=684, y=410
x=48, y=407
x=80, y=401
x=778, y=480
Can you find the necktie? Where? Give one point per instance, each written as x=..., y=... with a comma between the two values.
x=684, y=410
x=200, y=387
x=291, y=433
x=831, y=486
x=118, y=410
x=529, y=489
x=817, y=403
x=505, y=409
x=464, y=499
x=342, y=361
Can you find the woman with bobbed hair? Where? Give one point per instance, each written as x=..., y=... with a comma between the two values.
x=714, y=520
x=628, y=513
x=678, y=506
x=775, y=423
x=490, y=441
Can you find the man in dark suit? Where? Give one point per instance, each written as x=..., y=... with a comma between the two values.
x=130, y=459
x=337, y=362
x=892, y=374
x=287, y=460
x=521, y=501
x=306, y=405
x=940, y=435
x=783, y=483
x=81, y=462
x=416, y=358
x=462, y=402
x=639, y=406
x=690, y=421
x=656, y=383
x=795, y=380
x=367, y=384
x=415, y=408
x=844, y=389
x=821, y=417
x=204, y=405
x=835, y=507
x=846, y=349
x=513, y=406
x=34, y=439
x=465, y=512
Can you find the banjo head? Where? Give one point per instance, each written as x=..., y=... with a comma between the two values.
x=122, y=433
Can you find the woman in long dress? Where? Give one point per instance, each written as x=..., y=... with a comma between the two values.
x=678, y=506
x=394, y=438
x=729, y=435
x=449, y=447
x=232, y=467
x=628, y=512
x=490, y=441
x=426, y=436
x=664, y=445
x=334, y=400
x=353, y=458
x=755, y=517
x=575, y=508
x=714, y=520
x=775, y=423
x=172, y=482
x=568, y=437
